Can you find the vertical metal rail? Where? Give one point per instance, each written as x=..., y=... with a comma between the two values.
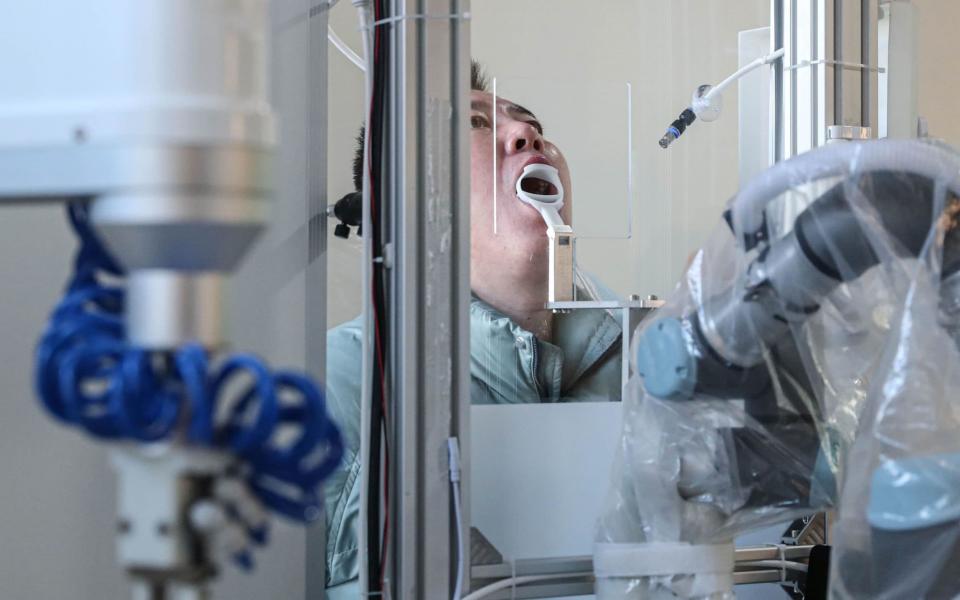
x=315, y=318
x=824, y=26
x=870, y=56
x=815, y=55
x=777, y=27
x=794, y=79
x=427, y=209
x=830, y=75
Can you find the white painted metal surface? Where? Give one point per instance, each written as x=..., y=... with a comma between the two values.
x=115, y=71
x=899, y=83
x=539, y=476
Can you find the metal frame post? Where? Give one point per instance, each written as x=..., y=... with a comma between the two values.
x=427, y=207
x=316, y=268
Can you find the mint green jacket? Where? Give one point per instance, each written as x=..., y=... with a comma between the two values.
x=508, y=365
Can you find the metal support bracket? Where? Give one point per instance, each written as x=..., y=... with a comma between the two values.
x=581, y=580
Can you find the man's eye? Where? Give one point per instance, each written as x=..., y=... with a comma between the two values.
x=479, y=122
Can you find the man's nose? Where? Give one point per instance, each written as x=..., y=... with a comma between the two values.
x=523, y=137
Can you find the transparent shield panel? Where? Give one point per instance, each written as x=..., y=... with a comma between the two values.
x=664, y=51
x=606, y=80
x=344, y=120
x=270, y=294
x=300, y=279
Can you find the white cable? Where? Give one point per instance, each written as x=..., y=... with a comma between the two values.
x=397, y=18
x=344, y=48
x=775, y=564
x=453, y=455
x=521, y=580
x=763, y=60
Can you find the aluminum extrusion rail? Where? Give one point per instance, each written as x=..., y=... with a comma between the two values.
x=578, y=584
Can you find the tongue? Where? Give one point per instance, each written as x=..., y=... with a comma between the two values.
x=535, y=185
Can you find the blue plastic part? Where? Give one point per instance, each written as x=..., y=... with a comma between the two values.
x=823, y=483
x=915, y=493
x=664, y=360
x=260, y=535
x=139, y=400
x=244, y=560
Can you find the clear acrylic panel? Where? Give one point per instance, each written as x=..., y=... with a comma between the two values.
x=606, y=80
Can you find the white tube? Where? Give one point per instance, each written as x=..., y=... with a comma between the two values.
x=521, y=580
x=763, y=60
x=345, y=49
x=776, y=564
x=453, y=453
x=551, y=216
x=912, y=156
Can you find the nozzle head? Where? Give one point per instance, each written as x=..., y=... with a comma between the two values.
x=669, y=137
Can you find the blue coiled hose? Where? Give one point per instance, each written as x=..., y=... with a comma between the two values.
x=87, y=375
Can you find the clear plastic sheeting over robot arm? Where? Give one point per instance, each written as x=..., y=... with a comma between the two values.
x=797, y=353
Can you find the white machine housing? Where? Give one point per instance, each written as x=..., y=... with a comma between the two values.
x=157, y=111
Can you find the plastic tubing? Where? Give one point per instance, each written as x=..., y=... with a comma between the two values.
x=759, y=62
x=838, y=160
x=345, y=49
x=290, y=447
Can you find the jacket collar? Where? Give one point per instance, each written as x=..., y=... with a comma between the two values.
x=548, y=370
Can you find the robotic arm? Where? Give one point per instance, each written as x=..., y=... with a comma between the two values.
x=741, y=393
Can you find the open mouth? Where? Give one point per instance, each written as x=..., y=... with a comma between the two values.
x=540, y=187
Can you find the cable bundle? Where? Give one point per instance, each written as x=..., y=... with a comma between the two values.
x=378, y=468
x=87, y=375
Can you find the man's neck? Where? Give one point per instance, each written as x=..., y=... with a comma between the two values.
x=520, y=298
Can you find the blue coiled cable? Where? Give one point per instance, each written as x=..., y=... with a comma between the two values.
x=87, y=375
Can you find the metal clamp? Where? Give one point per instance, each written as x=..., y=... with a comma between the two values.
x=848, y=133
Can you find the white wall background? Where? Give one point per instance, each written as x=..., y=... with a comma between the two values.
x=939, y=89
x=56, y=503
x=664, y=49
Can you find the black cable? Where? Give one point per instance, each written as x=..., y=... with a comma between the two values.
x=375, y=161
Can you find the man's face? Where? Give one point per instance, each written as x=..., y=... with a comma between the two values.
x=497, y=161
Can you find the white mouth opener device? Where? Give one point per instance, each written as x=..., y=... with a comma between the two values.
x=559, y=234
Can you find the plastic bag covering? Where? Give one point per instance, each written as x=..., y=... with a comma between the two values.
x=810, y=342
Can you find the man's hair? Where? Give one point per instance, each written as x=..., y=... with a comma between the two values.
x=478, y=78
x=478, y=82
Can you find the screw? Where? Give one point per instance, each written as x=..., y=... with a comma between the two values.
x=163, y=529
x=653, y=297
x=123, y=526
x=634, y=297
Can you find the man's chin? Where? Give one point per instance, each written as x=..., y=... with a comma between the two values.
x=532, y=242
